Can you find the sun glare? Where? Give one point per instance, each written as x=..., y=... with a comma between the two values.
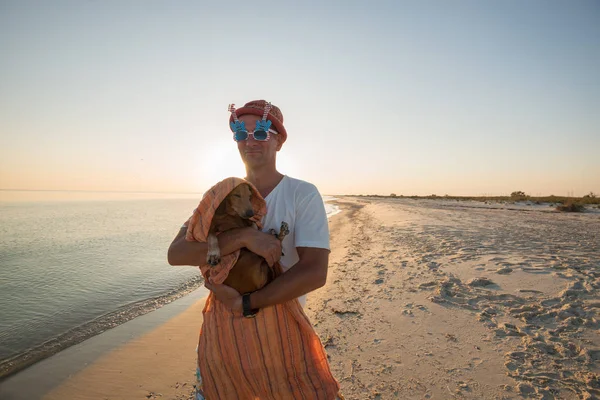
x=222, y=161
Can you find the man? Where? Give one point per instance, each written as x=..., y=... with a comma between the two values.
x=259, y=132
x=305, y=249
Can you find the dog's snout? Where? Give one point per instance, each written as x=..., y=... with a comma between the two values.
x=249, y=214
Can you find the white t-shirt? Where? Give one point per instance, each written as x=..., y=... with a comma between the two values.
x=300, y=204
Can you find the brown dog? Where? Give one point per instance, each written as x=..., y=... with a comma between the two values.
x=251, y=272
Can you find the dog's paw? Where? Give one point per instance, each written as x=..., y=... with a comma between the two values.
x=284, y=230
x=213, y=258
x=273, y=232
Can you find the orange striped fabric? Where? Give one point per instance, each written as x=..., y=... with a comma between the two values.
x=276, y=355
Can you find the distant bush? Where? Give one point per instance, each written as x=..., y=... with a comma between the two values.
x=589, y=199
x=518, y=196
x=570, y=206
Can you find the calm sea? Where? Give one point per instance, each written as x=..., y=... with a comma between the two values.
x=66, y=264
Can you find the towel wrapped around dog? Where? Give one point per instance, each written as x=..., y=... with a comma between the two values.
x=277, y=354
x=198, y=225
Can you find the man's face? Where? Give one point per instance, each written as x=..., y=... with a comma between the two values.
x=255, y=153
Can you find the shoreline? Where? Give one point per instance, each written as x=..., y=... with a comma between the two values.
x=89, y=381
x=48, y=375
x=96, y=326
x=19, y=362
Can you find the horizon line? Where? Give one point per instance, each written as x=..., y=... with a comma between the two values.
x=93, y=191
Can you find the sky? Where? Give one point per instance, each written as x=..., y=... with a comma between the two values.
x=378, y=97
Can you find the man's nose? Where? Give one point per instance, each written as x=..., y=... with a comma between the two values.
x=251, y=139
x=251, y=142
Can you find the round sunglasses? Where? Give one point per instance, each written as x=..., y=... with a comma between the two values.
x=261, y=132
x=260, y=135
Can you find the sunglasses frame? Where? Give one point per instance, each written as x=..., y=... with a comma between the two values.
x=263, y=125
x=242, y=129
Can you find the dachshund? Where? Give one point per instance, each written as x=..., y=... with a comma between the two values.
x=251, y=272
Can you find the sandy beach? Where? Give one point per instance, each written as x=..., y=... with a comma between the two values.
x=423, y=300
x=430, y=301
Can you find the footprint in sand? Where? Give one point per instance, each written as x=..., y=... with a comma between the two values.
x=480, y=282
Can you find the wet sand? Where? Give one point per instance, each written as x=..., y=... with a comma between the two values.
x=93, y=328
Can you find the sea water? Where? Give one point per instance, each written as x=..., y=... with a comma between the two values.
x=65, y=264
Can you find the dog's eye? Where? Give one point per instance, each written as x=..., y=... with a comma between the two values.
x=238, y=196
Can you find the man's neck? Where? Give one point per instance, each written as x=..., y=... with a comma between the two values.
x=264, y=179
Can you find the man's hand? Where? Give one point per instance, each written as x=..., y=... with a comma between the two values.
x=264, y=244
x=226, y=295
x=306, y=275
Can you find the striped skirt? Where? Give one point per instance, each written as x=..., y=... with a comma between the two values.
x=276, y=355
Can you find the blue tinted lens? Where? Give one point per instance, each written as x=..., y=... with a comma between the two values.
x=240, y=136
x=260, y=135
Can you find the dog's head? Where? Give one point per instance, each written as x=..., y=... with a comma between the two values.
x=239, y=203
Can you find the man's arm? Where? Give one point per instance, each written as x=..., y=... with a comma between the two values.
x=306, y=275
x=183, y=252
x=309, y=273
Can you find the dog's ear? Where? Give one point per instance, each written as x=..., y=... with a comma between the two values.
x=222, y=207
x=227, y=206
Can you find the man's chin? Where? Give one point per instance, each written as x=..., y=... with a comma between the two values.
x=253, y=161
